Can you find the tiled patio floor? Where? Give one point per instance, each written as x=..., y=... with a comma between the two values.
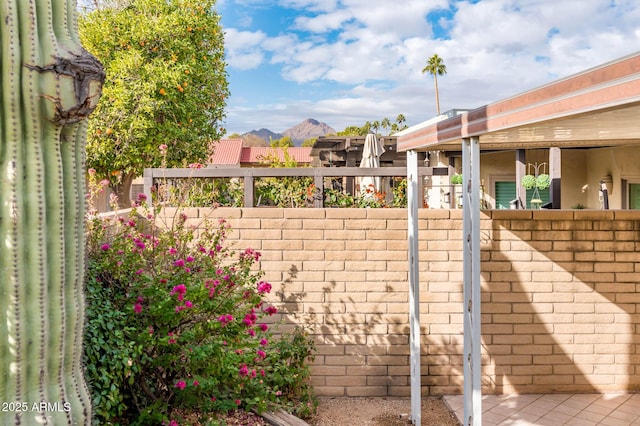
x=554, y=409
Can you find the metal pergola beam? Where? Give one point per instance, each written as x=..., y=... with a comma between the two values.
x=471, y=276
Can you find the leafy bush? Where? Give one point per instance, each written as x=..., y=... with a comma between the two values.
x=291, y=191
x=178, y=321
x=334, y=196
x=456, y=179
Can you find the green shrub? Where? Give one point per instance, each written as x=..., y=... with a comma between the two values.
x=178, y=321
x=456, y=179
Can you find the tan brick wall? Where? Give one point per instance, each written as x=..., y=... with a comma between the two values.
x=560, y=293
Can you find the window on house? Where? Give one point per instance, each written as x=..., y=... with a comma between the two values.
x=506, y=192
x=634, y=196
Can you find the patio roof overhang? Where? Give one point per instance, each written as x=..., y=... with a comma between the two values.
x=595, y=108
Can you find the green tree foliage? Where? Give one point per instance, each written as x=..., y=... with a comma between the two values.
x=166, y=84
x=253, y=140
x=309, y=142
x=284, y=141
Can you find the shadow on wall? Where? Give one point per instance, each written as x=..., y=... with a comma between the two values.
x=556, y=314
x=363, y=345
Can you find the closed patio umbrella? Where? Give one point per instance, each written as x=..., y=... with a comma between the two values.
x=371, y=153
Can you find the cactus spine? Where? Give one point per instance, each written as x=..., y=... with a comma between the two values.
x=48, y=86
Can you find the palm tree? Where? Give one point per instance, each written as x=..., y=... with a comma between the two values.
x=435, y=66
x=375, y=126
x=386, y=124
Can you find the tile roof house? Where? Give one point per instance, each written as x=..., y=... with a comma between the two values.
x=226, y=153
x=231, y=153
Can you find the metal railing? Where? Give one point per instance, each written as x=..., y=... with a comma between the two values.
x=249, y=176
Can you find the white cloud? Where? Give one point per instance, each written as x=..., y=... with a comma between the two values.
x=243, y=49
x=375, y=51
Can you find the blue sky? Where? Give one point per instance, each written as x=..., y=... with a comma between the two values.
x=345, y=62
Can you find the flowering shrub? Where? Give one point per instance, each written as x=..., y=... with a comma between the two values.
x=178, y=321
x=201, y=192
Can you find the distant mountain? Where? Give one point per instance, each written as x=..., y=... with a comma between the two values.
x=265, y=134
x=308, y=129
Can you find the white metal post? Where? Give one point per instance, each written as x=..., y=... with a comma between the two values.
x=414, y=199
x=471, y=276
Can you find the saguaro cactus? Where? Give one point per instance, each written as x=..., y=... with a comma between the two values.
x=48, y=86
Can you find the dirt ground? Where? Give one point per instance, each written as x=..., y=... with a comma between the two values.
x=360, y=412
x=379, y=412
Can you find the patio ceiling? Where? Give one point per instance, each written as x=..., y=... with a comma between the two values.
x=595, y=108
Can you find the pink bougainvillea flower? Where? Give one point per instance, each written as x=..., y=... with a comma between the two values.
x=264, y=327
x=105, y=247
x=180, y=290
x=244, y=370
x=250, y=319
x=142, y=196
x=139, y=271
x=251, y=332
x=225, y=319
x=163, y=148
x=172, y=250
x=188, y=304
x=181, y=384
x=190, y=259
x=264, y=287
x=137, y=308
x=271, y=310
x=261, y=354
x=264, y=342
x=238, y=402
x=179, y=263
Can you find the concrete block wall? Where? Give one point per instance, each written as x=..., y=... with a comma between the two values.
x=560, y=296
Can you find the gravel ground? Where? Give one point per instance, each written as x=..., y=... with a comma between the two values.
x=379, y=412
x=356, y=412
